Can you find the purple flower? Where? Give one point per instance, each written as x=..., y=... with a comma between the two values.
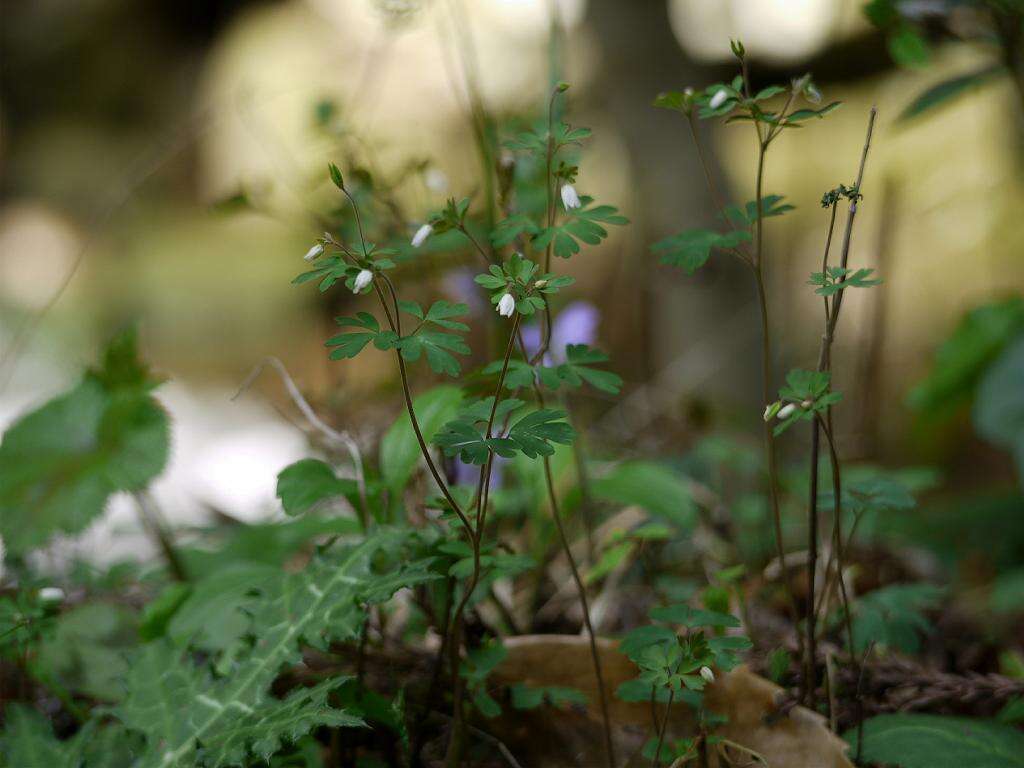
x=576, y=324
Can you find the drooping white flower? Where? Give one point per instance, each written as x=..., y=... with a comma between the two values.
x=786, y=411
x=718, y=99
x=363, y=279
x=314, y=253
x=506, y=305
x=570, y=199
x=707, y=674
x=421, y=235
x=51, y=595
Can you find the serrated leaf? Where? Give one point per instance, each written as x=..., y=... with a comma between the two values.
x=61, y=462
x=936, y=741
x=691, y=249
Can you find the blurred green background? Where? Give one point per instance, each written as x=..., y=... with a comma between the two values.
x=159, y=162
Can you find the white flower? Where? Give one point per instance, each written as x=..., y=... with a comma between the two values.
x=436, y=180
x=786, y=411
x=569, y=197
x=506, y=305
x=707, y=674
x=314, y=252
x=421, y=235
x=51, y=595
x=718, y=99
x=363, y=279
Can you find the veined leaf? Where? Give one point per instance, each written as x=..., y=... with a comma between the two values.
x=934, y=741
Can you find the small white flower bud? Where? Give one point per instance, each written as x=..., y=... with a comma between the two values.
x=718, y=99
x=314, y=253
x=507, y=305
x=363, y=279
x=707, y=674
x=786, y=411
x=51, y=595
x=806, y=404
x=421, y=235
x=570, y=199
x=767, y=411
x=540, y=284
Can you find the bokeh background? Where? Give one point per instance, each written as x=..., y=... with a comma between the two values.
x=159, y=161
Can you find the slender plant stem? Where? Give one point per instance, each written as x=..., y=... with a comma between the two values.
x=581, y=592
x=664, y=726
x=825, y=364
x=457, y=737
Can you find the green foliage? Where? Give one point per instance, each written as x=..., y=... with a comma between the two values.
x=527, y=697
x=809, y=393
x=962, y=360
x=951, y=89
x=480, y=662
x=307, y=482
x=577, y=369
x=60, y=463
x=192, y=716
x=935, y=741
x=691, y=249
x=660, y=491
x=348, y=345
x=399, y=450
x=532, y=435
x=771, y=205
x=999, y=406
x=580, y=225
x=893, y=616
x=835, y=279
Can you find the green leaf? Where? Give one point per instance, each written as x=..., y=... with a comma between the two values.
x=951, y=89
x=836, y=279
x=437, y=346
x=908, y=48
x=643, y=637
x=998, y=412
x=399, y=449
x=771, y=205
x=461, y=437
x=654, y=487
x=579, y=359
x=28, y=740
x=693, y=618
x=348, y=345
x=691, y=249
x=509, y=229
x=893, y=616
x=306, y=483
x=60, y=463
x=793, y=118
x=87, y=649
x=534, y=433
x=581, y=225
x=180, y=706
x=961, y=360
x=611, y=558
x=526, y=697
x=935, y=741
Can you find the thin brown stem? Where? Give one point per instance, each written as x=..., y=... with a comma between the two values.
x=664, y=726
x=581, y=590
